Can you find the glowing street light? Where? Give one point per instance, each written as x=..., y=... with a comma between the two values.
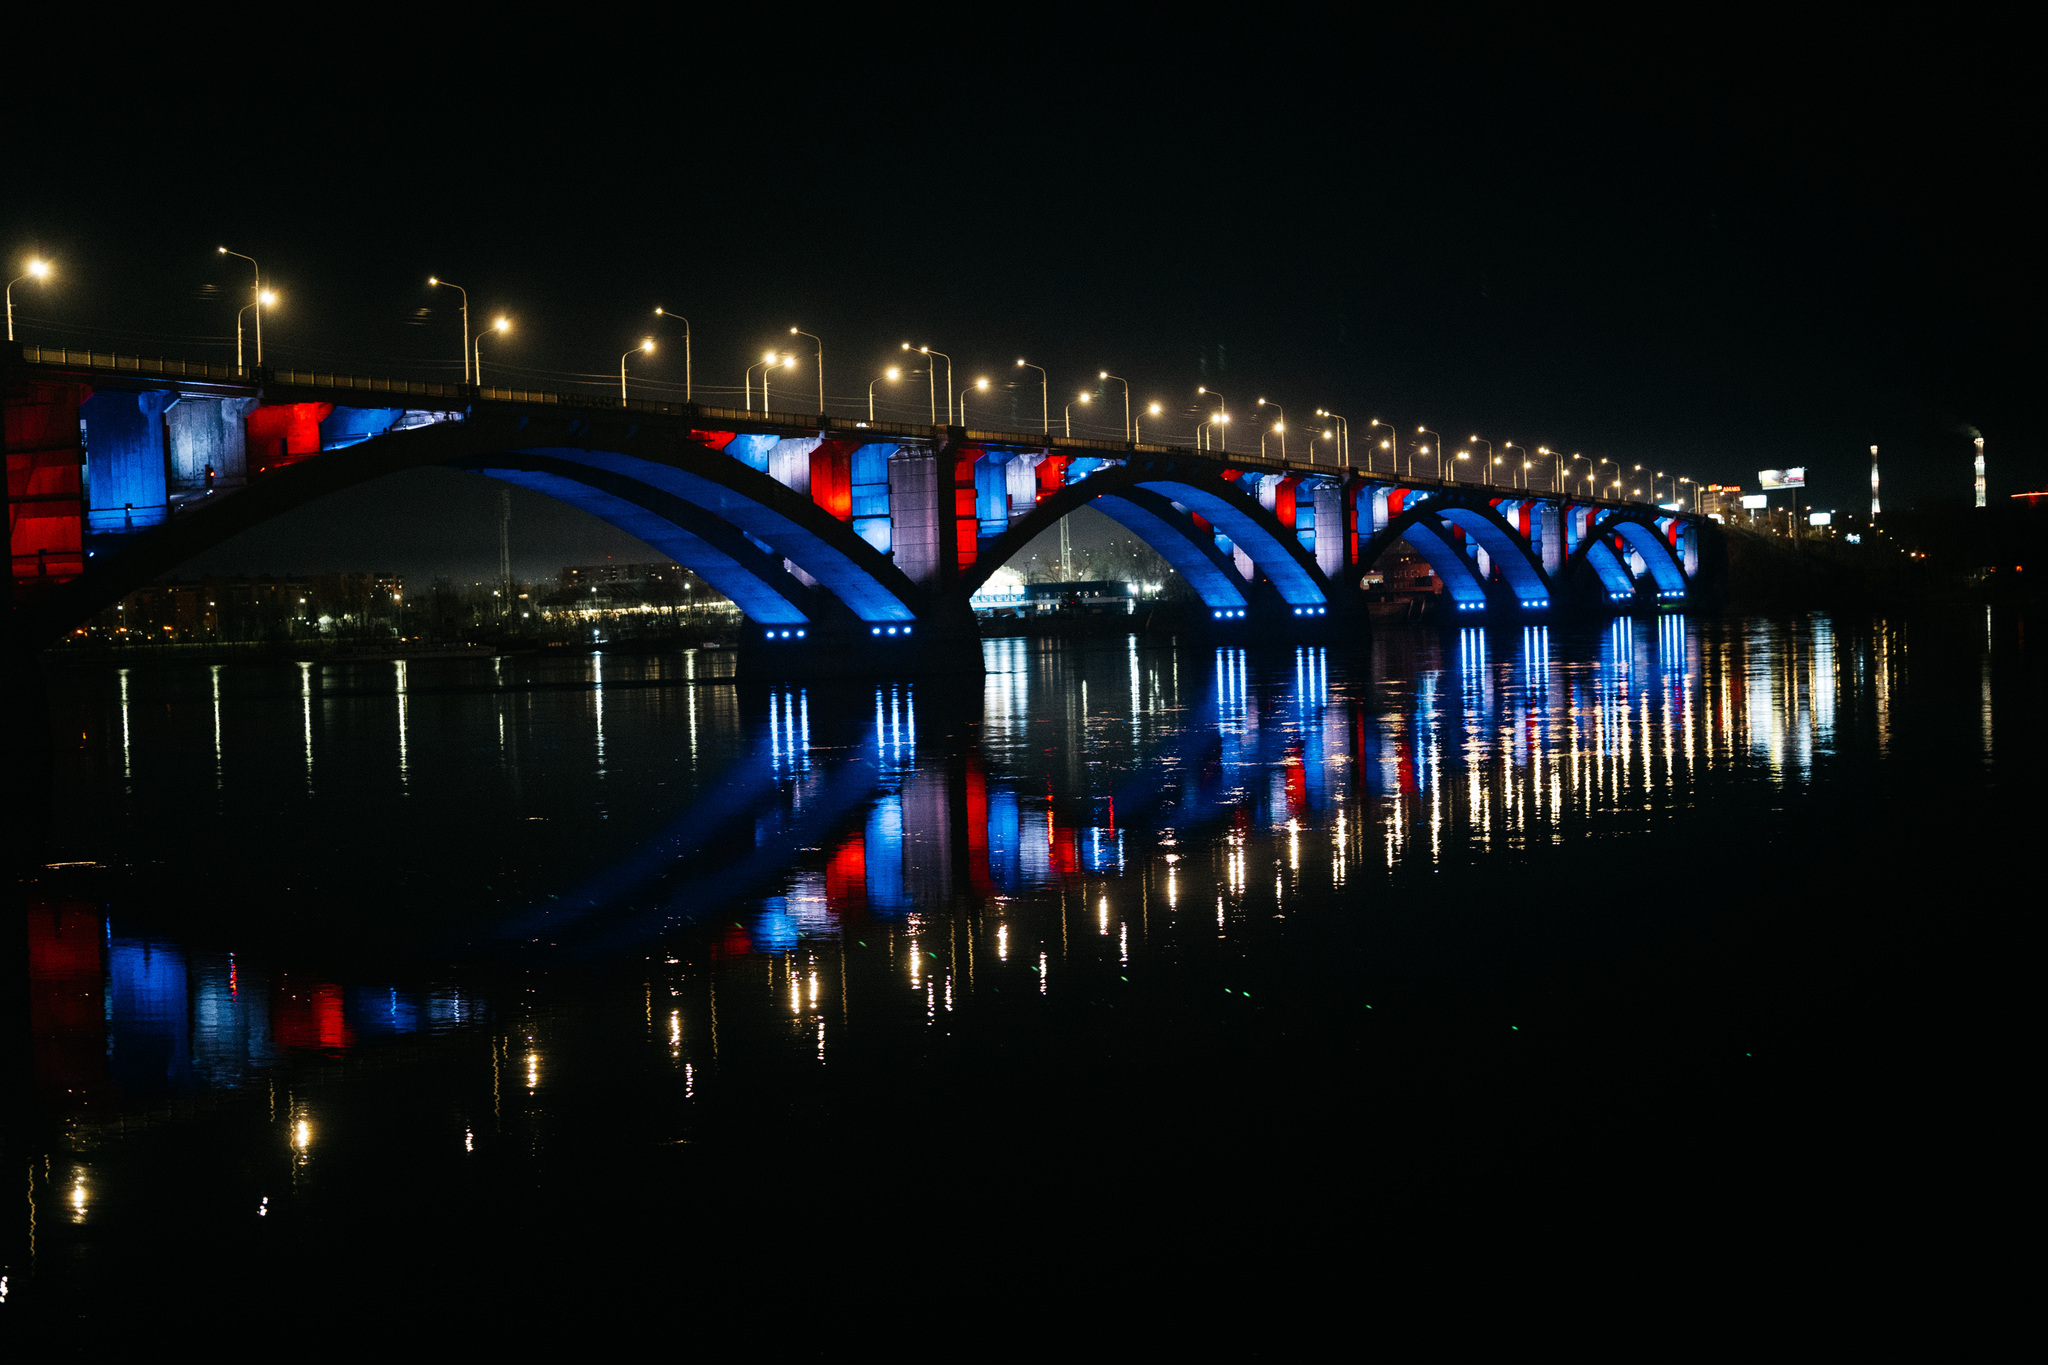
x=1343, y=435
x=981, y=384
x=1044, y=394
x=688, y=396
x=1127, y=400
x=768, y=362
x=1222, y=414
x=256, y=291
x=647, y=345
x=435, y=282
x=892, y=374
x=1068, y=414
x=1480, y=441
x=1392, y=445
x=926, y=350
x=1279, y=426
x=501, y=326
x=1137, y=431
x=1424, y=450
x=821, y=367
x=38, y=269
x=266, y=298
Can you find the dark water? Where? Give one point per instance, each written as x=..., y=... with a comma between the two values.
x=444, y=983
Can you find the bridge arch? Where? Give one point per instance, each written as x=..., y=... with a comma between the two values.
x=732, y=525
x=1639, y=531
x=1157, y=501
x=1426, y=526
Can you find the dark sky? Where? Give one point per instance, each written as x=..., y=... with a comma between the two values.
x=1707, y=251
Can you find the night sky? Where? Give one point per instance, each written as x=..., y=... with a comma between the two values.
x=1679, y=254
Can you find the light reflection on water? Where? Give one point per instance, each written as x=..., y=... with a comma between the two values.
x=780, y=866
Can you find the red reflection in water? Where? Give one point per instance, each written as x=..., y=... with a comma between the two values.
x=846, y=876
x=309, y=1017
x=67, y=997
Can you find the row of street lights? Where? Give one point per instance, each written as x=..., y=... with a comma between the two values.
x=1211, y=432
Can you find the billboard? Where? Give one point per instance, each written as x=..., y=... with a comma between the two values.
x=1819, y=518
x=1782, y=478
x=1755, y=502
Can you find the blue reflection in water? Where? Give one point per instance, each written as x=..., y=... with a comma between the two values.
x=149, y=1026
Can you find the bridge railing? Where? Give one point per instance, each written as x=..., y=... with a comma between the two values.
x=841, y=428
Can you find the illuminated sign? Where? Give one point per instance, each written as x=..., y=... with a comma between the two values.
x=1782, y=478
x=1819, y=518
x=1755, y=502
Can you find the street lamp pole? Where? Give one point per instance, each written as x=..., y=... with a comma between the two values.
x=1127, y=400
x=891, y=374
x=1393, y=450
x=979, y=384
x=688, y=396
x=436, y=282
x=648, y=346
x=40, y=270
x=1069, y=414
x=1222, y=410
x=821, y=367
x=257, y=293
x=1343, y=435
x=1280, y=427
x=926, y=350
x=1137, y=432
x=1044, y=394
x=501, y=326
x=268, y=298
x=1480, y=441
x=1439, y=453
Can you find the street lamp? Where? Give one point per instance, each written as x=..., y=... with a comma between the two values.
x=981, y=384
x=1392, y=445
x=435, y=282
x=1422, y=449
x=1461, y=455
x=1069, y=412
x=1223, y=414
x=892, y=374
x=501, y=326
x=1044, y=394
x=266, y=298
x=1695, y=494
x=37, y=270
x=1137, y=432
x=821, y=368
x=1127, y=400
x=1216, y=419
x=1343, y=435
x=1279, y=426
x=926, y=350
x=257, y=291
x=647, y=345
x=1489, y=450
x=688, y=396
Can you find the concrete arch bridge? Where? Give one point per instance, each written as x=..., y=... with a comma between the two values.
x=847, y=545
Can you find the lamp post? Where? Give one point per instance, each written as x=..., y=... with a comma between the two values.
x=1696, y=495
x=892, y=374
x=1489, y=450
x=269, y=298
x=688, y=395
x=1393, y=445
x=821, y=366
x=1137, y=433
x=647, y=345
x=1594, y=485
x=1459, y=455
x=1068, y=414
x=39, y=270
x=435, y=282
x=1044, y=394
x=981, y=384
x=257, y=292
x=1343, y=435
x=926, y=350
x=1223, y=414
x=1279, y=426
x=501, y=326
x=788, y=363
x=1127, y=400
x=1556, y=467
x=1439, y=452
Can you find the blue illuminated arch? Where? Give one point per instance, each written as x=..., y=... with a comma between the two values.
x=1506, y=549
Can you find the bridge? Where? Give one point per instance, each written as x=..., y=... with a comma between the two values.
x=848, y=545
